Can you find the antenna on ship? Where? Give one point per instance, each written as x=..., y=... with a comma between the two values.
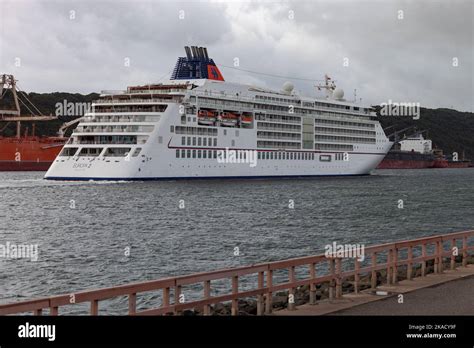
x=329, y=86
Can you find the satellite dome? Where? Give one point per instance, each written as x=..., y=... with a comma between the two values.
x=288, y=87
x=338, y=94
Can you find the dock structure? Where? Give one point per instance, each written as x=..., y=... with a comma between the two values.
x=414, y=258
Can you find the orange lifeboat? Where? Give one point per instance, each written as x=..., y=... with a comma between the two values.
x=228, y=119
x=206, y=117
x=246, y=120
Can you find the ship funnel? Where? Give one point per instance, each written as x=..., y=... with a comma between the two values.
x=200, y=52
x=204, y=50
x=196, y=65
x=194, y=50
x=188, y=52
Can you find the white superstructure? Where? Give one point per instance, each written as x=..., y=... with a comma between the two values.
x=417, y=144
x=180, y=129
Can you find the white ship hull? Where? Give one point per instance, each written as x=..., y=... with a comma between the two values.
x=158, y=161
x=206, y=169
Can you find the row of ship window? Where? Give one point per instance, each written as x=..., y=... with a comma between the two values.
x=208, y=131
x=131, y=108
x=297, y=119
x=344, y=139
x=343, y=131
x=306, y=156
x=278, y=127
x=280, y=100
x=343, y=123
x=293, y=110
x=194, y=130
x=308, y=104
x=198, y=141
x=122, y=118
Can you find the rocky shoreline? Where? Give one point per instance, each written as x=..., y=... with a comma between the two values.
x=302, y=293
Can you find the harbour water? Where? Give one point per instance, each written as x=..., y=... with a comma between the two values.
x=98, y=234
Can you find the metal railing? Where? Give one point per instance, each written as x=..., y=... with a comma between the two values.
x=132, y=101
x=338, y=269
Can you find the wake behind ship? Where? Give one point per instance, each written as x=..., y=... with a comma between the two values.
x=192, y=125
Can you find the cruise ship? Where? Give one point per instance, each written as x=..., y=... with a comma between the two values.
x=196, y=125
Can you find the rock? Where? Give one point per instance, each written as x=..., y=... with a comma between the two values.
x=346, y=285
x=221, y=309
x=304, y=288
x=248, y=306
x=301, y=301
x=280, y=301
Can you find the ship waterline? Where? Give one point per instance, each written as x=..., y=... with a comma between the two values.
x=181, y=129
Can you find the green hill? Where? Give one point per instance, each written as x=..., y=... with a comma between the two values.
x=450, y=130
x=46, y=104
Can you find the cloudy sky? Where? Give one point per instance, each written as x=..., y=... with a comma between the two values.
x=411, y=51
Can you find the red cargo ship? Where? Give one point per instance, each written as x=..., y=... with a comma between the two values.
x=415, y=152
x=460, y=164
x=24, y=153
x=406, y=160
x=29, y=153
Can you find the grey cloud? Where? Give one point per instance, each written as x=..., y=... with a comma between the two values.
x=409, y=59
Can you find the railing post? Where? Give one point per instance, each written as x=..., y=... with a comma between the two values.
x=132, y=303
x=94, y=307
x=260, y=303
x=291, y=291
x=373, y=276
x=356, y=275
x=268, y=299
x=312, y=287
x=395, y=266
x=166, y=297
x=389, y=260
x=436, y=260
x=207, y=295
x=38, y=311
x=338, y=278
x=423, y=262
x=440, y=256
x=410, y=263
x=235, y=291
x=53, y=311
x=464, y=251
x=453, y=258
x=177, y=295
x=332, y=283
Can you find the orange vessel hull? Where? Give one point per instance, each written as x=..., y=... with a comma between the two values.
x=29, y=153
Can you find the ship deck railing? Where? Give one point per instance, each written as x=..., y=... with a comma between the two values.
x=296, y=103
x=132, y=101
